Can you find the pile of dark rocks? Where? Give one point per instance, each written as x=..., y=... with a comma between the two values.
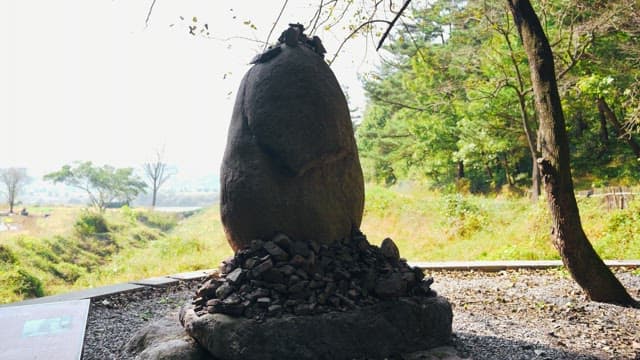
x=280, y=275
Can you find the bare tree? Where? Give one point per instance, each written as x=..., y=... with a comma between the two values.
x=157, y=173
x=14, y=180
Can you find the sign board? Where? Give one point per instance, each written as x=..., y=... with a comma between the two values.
x=43, y=331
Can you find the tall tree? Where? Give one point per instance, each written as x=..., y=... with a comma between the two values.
x=103, y=185
x=157, y=174
x=13, y=180
x=584, y=264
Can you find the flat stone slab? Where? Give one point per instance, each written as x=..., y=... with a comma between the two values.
x=79, y=295
x=192, y=275
x=375, y=332
x=160, y=281
x=43, y=331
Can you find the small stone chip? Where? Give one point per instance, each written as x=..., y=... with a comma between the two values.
x=236, y=275
x=263, y=301
x=276, y=251
x=223, y=291
x=262, y=267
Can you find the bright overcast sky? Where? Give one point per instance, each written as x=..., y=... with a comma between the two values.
x=85, y=80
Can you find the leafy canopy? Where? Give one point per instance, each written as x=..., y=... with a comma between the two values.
x=103, y=185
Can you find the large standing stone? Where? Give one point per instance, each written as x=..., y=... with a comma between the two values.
x=291, y=163
x=374, y=332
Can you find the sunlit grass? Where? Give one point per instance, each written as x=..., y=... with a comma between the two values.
x=196, y=243
x=429, y=226
x=58, y=253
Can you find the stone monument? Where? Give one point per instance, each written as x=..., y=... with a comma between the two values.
x=291, y=163
x=304, y=282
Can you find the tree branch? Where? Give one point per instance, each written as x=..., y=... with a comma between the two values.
x=394, y=103
x=392, y=23
x=146, y=21
x=353, y=33
x=275, y=23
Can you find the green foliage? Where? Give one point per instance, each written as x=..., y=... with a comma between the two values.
x=129, y=214
x=22, y=283
x=68, y=272
x=622, y=232
x=7, y=257
x=455, y=94
x=379, y=199
x=90, y=224
x=463, y=217
x=104, y=185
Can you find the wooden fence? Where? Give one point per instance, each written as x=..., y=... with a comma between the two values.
x=616, y=197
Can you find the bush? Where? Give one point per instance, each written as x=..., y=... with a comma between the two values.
x=90, y=224
x=622, y=233
x=464, y=217
x=379, y=200
x=23, y=283
x=7, y=256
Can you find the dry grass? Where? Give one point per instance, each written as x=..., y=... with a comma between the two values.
x=38, y=225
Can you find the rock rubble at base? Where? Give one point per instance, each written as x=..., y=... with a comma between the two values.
x=280, y=275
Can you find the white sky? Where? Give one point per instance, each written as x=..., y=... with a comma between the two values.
x=85, y=80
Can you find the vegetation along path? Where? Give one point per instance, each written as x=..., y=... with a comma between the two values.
x=66, y=250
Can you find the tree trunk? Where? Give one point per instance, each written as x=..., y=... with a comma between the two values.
x=605, y=111
x=584, y=264
x=507, y=171
x=604, y=133
x=155, y=193
x=460, y=170
x=487, y=168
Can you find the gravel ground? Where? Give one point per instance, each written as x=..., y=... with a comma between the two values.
x=521, y=314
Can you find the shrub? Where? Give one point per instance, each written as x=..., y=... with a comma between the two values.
x=23, y=283
x=379, y=200
x=90, y=224
x=7, y=256
x=622, y=233
x=464, y=217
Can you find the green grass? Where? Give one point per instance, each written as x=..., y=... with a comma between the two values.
x=196, y=242
x=73, y=249
x=85, y=249
x=429, y=226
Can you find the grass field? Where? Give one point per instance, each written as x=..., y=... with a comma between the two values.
x=72, y=248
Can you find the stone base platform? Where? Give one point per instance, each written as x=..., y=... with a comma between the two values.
x=379, y=331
